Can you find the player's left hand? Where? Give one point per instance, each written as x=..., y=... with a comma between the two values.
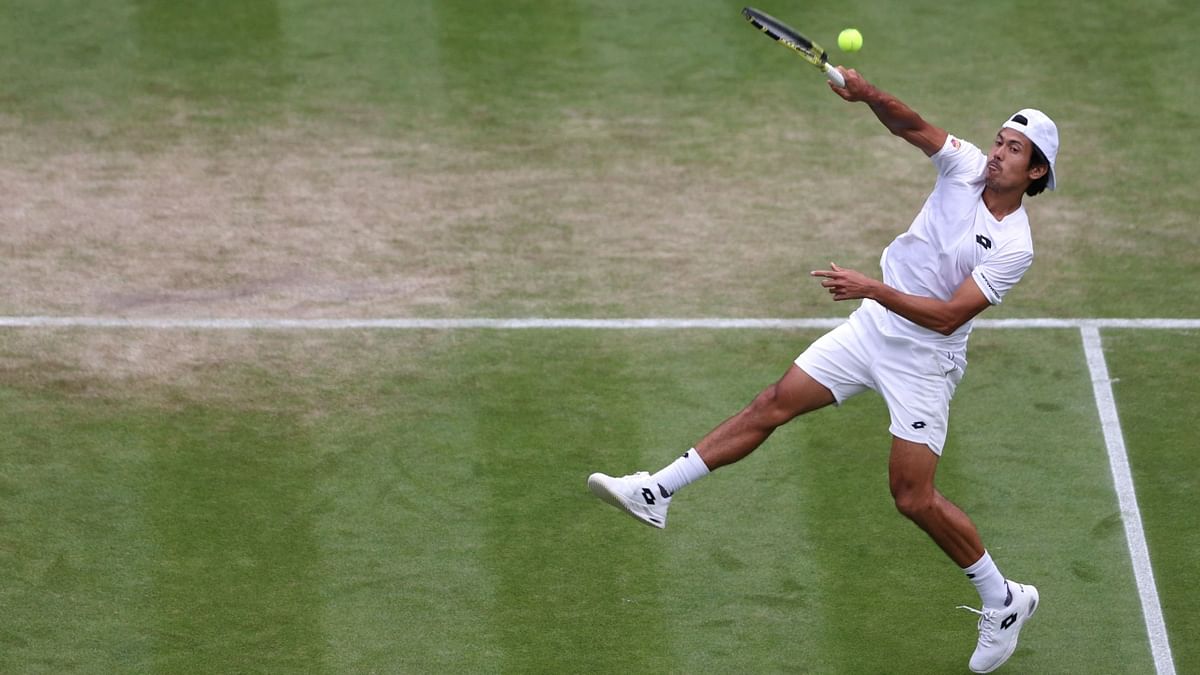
x=844, y=284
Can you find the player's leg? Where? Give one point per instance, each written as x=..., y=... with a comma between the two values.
x=646, y=497
x=911, y=468
x=918, y=383
x=832, y=369
x=793, y=395
x=1006, y=604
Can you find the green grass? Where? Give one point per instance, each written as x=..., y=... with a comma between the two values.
x=367, y=514
x=415, y=501
x=1154, y=391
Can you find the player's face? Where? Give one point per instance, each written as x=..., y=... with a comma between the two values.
x=1008, y=162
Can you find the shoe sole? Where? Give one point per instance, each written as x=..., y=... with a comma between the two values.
x=598, y=484
x=1012, y=648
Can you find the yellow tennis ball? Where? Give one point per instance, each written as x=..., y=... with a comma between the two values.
x=850, y=40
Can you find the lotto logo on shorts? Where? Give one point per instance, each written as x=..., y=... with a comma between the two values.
x=918, y=425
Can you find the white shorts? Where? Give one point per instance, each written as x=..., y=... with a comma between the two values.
x=916, y=380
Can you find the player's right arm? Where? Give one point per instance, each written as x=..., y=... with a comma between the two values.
x=899, y=119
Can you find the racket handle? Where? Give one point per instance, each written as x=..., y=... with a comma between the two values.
x=834, y=75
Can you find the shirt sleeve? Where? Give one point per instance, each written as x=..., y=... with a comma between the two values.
x=958, y=159
x=1000, y=272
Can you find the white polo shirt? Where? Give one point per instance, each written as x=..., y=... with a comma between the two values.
x=953, y=237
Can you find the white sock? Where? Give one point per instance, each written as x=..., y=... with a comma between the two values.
x=683, y=471
x=988, y=581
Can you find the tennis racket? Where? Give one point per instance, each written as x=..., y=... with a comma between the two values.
x=788, y=37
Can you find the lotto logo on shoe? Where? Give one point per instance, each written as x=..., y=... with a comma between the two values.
x=1000, y=628
x=634, y=495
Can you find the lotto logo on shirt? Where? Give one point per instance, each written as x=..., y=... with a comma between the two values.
x=989, y=284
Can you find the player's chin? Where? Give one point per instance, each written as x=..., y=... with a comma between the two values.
x=997, y=183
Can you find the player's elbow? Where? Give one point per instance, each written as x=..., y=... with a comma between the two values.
x=945, y=328
x=959, y=315
x=949, y=323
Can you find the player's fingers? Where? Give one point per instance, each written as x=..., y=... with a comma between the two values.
x=840, y=91
x=846, y=90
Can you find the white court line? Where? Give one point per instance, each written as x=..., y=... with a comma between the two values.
x=535, y=322
x=1131, y=515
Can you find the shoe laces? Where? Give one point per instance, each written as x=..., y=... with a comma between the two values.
x=987, y=622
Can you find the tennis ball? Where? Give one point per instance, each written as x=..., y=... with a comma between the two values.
x=850, y=40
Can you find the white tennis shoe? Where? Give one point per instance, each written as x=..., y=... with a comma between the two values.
x=999, y=627
x=636, y=495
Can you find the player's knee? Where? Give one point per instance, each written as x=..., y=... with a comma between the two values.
x=768, y=408
x=913, y=504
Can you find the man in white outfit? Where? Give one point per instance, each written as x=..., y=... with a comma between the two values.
x=968, y=246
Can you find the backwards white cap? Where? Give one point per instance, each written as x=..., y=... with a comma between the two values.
x=1041, y=130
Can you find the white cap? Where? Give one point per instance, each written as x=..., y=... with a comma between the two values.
x=1040, y=129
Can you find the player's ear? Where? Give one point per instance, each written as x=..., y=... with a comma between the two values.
x=1038, y=171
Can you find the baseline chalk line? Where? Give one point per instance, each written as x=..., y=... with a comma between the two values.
x=267, y=323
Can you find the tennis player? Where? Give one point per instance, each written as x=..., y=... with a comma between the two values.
x=968, y=246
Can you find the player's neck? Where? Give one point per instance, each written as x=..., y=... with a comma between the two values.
x=1002, y=203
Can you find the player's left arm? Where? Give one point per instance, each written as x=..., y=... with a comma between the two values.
x=943, y=316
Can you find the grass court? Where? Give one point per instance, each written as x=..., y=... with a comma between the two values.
x=413, y=500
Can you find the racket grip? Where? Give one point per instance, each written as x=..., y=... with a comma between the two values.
x=834, y=75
